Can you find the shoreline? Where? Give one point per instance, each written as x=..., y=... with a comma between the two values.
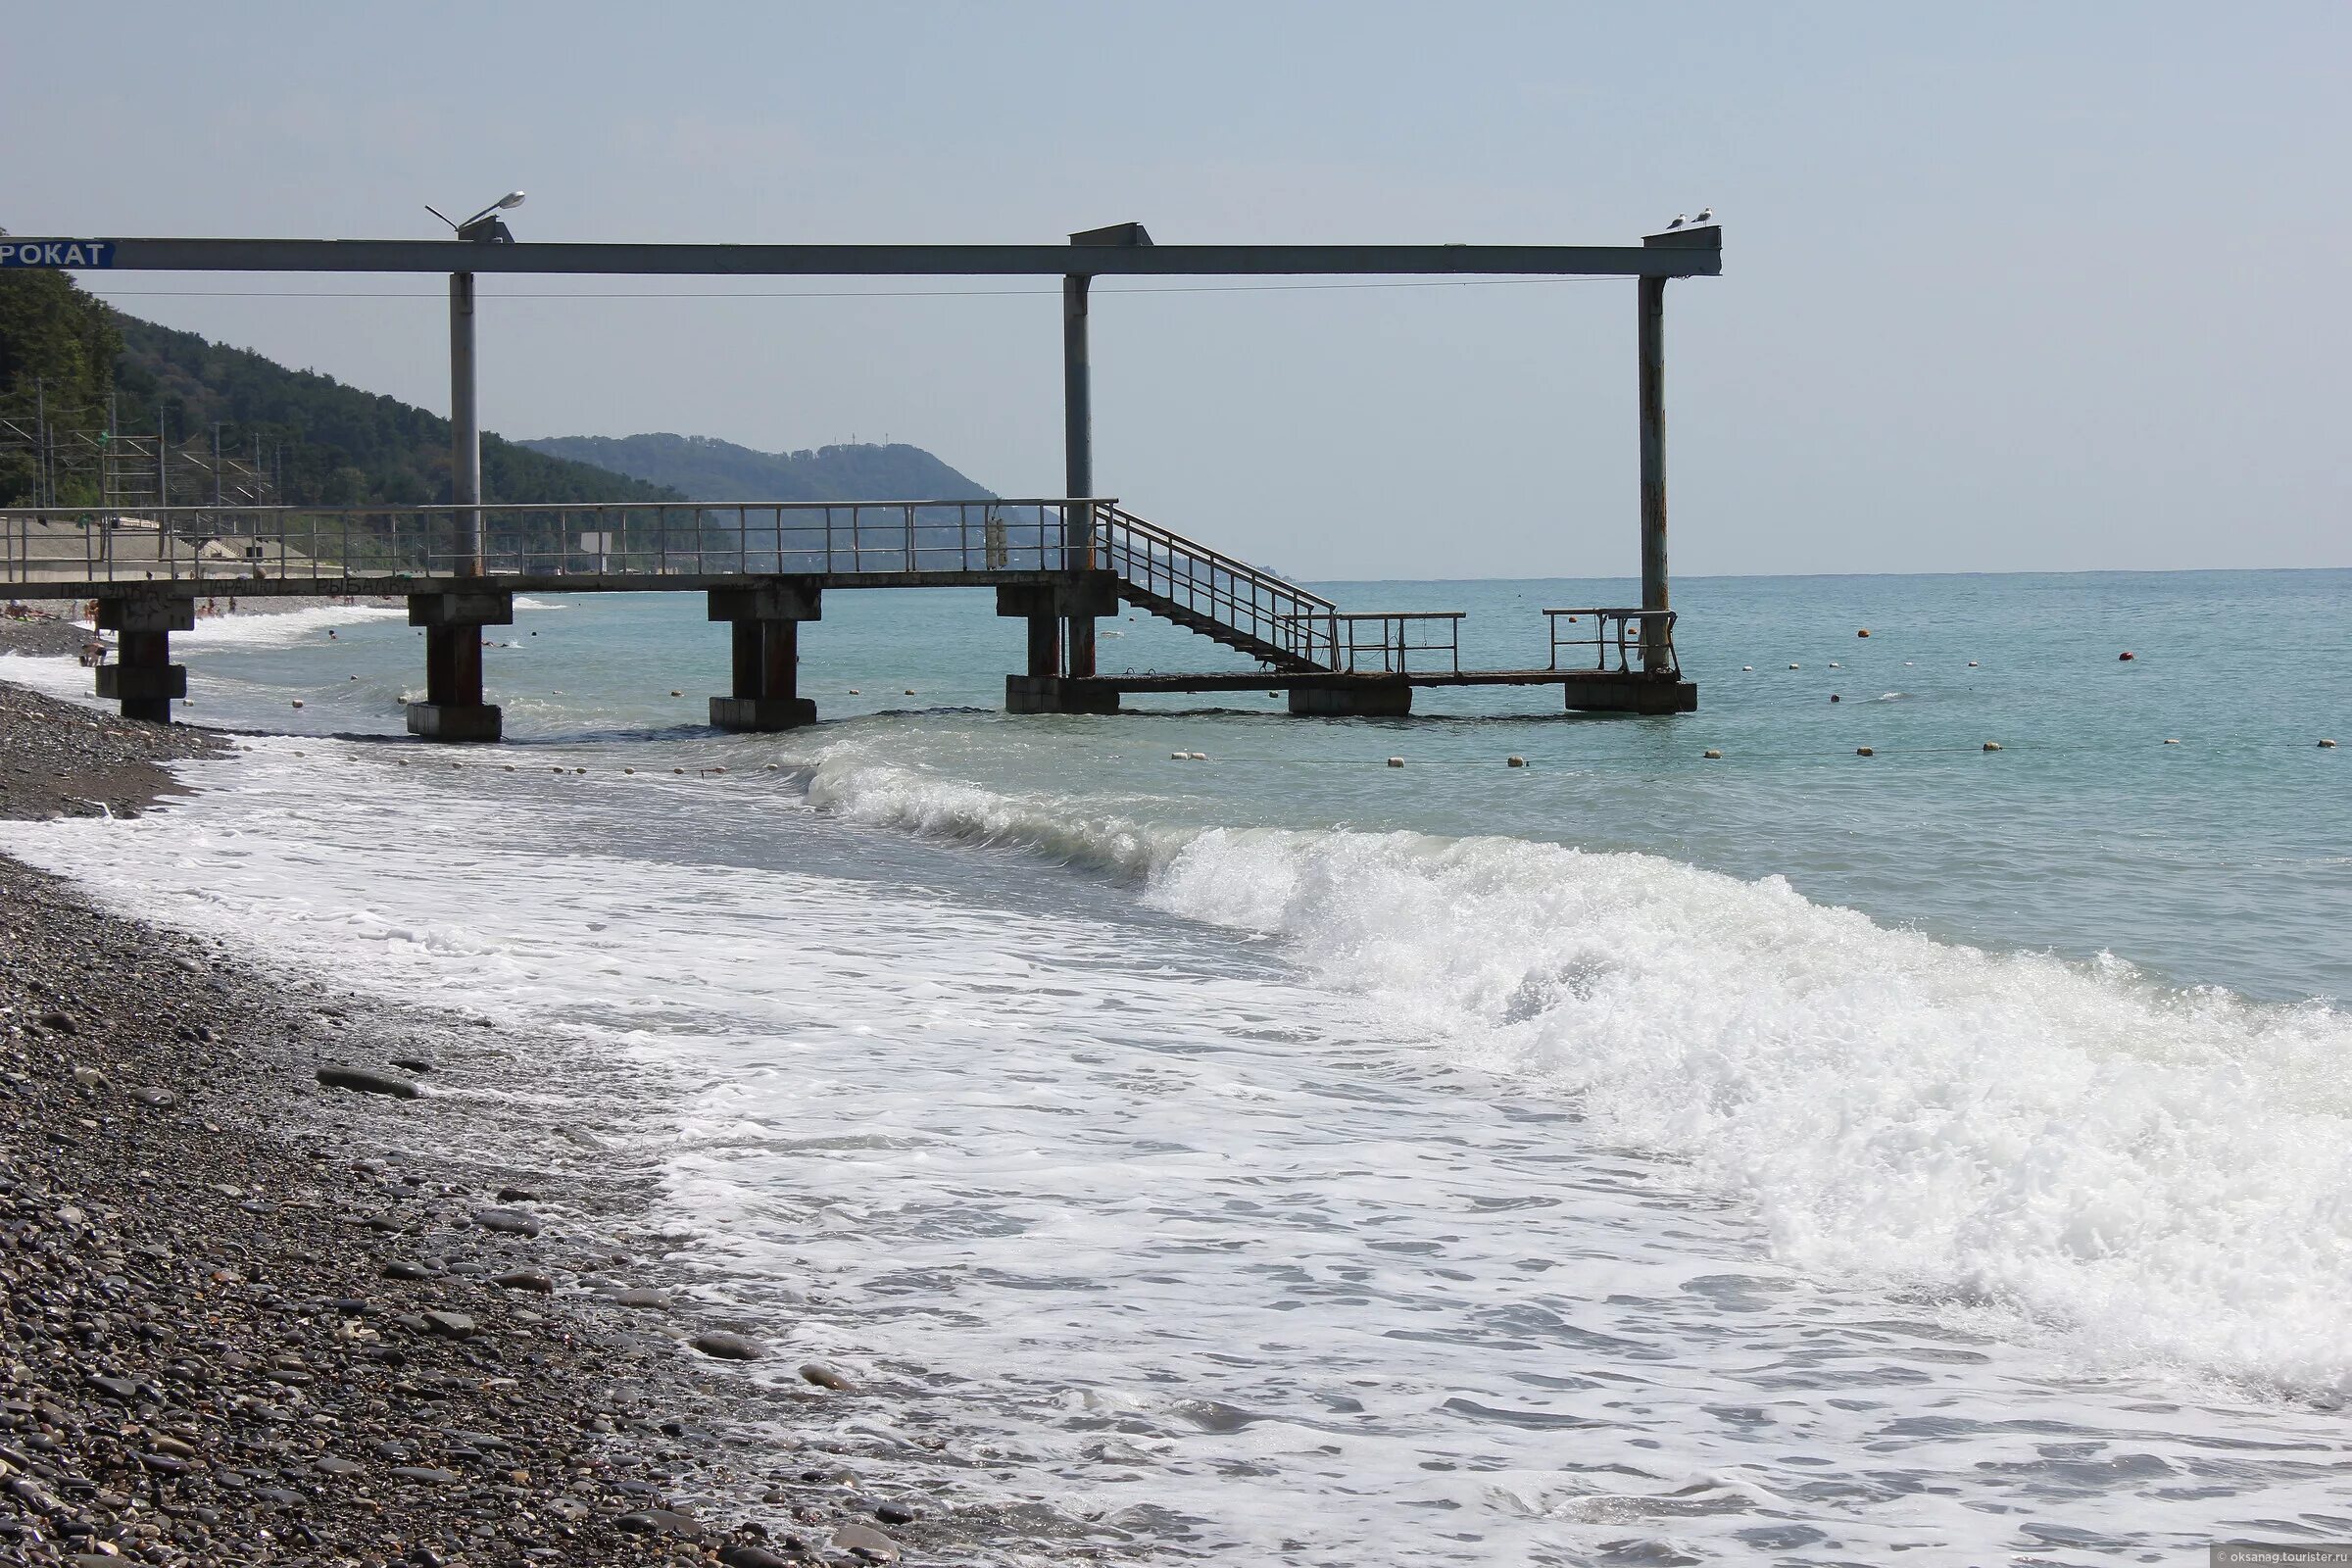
x=256, y=1318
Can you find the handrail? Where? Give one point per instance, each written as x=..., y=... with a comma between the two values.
x=337, y=543
x=1267, y=616
x=1642, y=639
x=1392, y=651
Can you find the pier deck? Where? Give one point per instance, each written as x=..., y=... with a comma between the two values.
x=1058, y=565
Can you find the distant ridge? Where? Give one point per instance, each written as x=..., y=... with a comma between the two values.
x=703, y=469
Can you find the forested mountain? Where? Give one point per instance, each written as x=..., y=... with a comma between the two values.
x=720, y=471
x=341, y=446
x=79, y=381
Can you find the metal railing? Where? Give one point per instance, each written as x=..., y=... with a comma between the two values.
x=1391, y=641
x=1284, y=622
x=330, y=545
x=1617, y=638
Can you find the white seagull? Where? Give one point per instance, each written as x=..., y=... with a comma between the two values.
x=1705, y=215
x=1678, y=221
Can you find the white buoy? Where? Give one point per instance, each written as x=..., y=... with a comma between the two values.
x=1747, y=666
x=1792, y=667
x=1712, y=755
x=510, y=767
x=1992, y=746
x=1514, y=762
x=297, y=702
x=1971, y=663
x=1180, y=756
x=2326, y=746
x=677, y=771
x=1396, y=762
x=1834, y=665
x=1200, y=756
x=854, y=692
x=2172, y=742
x=910, y=691
x=628, y=770
x=676, y=693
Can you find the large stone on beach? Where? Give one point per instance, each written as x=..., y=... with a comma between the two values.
x=660, y=1522
x=870, y=1545
x=728, y=1346
x=508, y=1221
x=367, y=1081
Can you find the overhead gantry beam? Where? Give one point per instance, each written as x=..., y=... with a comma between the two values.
x=1698, y=255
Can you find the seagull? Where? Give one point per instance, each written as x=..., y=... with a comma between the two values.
x=1678, y=221
x=1706, y=215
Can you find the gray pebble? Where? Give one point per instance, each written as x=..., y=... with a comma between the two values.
x=508, y=1221
x=727, y=1347
x=367, y=1081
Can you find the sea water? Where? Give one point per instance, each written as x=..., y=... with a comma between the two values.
x=1632, y=1156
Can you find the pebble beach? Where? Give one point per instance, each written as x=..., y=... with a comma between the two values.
x=259, y=1307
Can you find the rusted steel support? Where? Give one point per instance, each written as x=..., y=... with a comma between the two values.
x=1045, y=646
x=1655, y=595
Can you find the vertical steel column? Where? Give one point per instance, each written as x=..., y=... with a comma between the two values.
x=465, y=424
x=1652, y=343
x=1078, y=465
x=1077, y=408
x=1044, y=645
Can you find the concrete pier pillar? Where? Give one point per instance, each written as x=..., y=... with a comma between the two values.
x=1061, y=618
x=1352, y=699
x=143, y=680
x=767, y=621
x=453, y=709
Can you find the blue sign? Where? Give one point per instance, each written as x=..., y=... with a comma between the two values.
x=57, y=252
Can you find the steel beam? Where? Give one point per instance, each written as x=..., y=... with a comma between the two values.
x=1695, y=253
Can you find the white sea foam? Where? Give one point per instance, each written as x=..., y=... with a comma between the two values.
x=1425, y=1230
x=263, y=629
x=2151, y=1175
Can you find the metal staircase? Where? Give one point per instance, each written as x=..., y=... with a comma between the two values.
x=1203, y=590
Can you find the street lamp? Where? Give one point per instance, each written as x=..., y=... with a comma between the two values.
x=483, y=226
x=464, y=426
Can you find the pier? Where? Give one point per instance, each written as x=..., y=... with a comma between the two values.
x=1057, y=564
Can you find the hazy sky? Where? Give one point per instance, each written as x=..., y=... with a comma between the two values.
x=2006, y=287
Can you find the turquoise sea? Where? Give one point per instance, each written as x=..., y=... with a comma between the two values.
x=1795, y=1155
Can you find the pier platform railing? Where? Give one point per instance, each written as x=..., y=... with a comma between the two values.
x=328, y=545
x=1613, y=640
x=1391, y=641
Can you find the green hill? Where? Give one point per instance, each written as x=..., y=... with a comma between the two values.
x=720, y=471
x=98, y=384
x=341, y=446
